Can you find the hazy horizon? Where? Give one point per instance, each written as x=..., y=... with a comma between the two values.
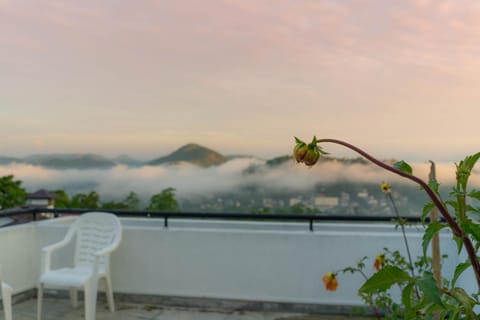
x=342, y=153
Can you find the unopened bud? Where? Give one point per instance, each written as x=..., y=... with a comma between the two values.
x=307, y=153
x=312, y=156
x=300, y=150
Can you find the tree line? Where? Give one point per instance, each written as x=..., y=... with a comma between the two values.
x=12, y=194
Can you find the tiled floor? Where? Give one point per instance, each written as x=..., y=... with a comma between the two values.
x=60, y=309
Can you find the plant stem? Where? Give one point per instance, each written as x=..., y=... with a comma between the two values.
x=372, y=305
x=456, y=229
x=410, y=261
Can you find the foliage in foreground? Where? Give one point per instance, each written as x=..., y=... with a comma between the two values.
x=422, y=296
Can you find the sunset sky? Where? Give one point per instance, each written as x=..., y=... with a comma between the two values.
x=399, y=78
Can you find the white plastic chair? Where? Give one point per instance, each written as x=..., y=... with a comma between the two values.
x=6, y=298
x=97, y=234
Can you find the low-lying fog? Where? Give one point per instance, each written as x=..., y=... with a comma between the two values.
x=117, y=182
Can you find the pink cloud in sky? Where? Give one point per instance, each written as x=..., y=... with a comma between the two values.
x=238, y=71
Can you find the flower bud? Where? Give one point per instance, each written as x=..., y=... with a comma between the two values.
x=312, y=156
x=300, y=150
x=307, y=153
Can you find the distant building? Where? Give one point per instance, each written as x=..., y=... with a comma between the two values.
x=41, y=198
x=268, y=202
x=294, y=201
x=372, y=201
x=362, y=194
x=326, y=202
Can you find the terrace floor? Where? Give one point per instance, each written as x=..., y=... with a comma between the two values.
x=56, y=309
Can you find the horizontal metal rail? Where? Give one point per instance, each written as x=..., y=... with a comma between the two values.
x=309, y=218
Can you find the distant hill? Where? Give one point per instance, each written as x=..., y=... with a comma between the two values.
x=279, y=161
x=289, y=158
x=240, y=156
x=7, y=160
x=70, y=161
x=192, y=153
x=128, y=161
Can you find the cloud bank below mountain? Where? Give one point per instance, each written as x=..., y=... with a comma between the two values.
x=189, y=180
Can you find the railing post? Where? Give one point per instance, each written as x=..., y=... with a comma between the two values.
x=165, y=221
x=311, y=225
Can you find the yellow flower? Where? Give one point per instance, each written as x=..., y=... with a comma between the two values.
x=380, y=261
x=330, y=281
x=386, y=187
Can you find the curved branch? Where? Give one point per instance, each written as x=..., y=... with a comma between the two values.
x=456, y=229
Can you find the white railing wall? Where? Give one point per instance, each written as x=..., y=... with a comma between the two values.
x=255, y=261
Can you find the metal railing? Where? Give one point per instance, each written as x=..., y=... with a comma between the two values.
x=308, y=218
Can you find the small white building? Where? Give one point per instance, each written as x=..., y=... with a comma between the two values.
x=294, y=201
x=326, y=202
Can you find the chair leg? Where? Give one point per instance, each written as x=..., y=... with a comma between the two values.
x=109, y=293
x=39, y=301
x=7, y=302
x=74, y=297
x=90, y=293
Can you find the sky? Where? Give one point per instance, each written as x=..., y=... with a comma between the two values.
x=398, y=78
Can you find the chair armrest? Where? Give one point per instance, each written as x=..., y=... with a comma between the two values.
x=47, y=251
x=106, y=250
x=47, y=255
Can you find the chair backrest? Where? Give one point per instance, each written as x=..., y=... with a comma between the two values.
x=95, y=231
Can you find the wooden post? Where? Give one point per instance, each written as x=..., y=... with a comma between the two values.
x=436, y=259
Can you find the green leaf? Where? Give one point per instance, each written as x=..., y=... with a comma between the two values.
x=471, y=160
x=452, y=204
x=465, y=300
x=444, y=314
x=434, y=185
x=407, y=295
x=456, y=193
x=459, y=243
x=431, y=230
x=472, y=229
x=403, y=166
x=474, y=194
x=427, y=310
x=454, y=315
x=464, y=168
x=384, y=279
x=298, y=140
x=428, y=285
x=426, y=210
x=472, y=209
x=459, y=270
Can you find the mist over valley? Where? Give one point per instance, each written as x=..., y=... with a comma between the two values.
x=207, y=181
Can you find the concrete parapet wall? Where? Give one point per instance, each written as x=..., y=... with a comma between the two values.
x=251, y=261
